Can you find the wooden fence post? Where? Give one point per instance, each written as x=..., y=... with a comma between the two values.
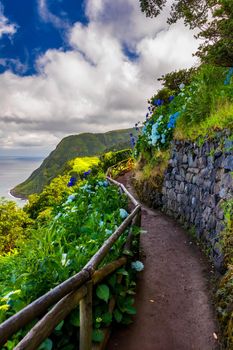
x=86, y=319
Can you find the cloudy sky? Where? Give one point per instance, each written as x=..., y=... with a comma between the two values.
x=69, y=66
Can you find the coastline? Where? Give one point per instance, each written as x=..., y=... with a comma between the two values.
x=13, y=171
x=11, y=194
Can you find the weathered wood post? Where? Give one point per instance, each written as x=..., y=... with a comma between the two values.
x=86, y=319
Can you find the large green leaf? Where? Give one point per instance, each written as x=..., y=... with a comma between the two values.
x=97, y=335
x=46, y=345
x=59, y=326
x=103, y=292
x=117, y=315
x=107, y=318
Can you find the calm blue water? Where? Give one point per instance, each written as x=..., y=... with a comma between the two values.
x=14, y=170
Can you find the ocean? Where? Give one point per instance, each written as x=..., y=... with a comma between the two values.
x=14, y=170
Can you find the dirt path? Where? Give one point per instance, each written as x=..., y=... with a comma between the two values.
x=174, y=310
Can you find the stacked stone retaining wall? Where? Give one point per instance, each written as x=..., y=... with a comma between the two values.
x=196, y=183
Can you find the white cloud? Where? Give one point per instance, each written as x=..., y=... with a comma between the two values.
x=6, y=28
x=12, y=62
x=48, y=17
x=93, y=87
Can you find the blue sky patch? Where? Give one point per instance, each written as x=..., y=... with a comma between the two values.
x=35, y=35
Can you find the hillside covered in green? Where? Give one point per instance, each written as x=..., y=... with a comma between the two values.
x=82, y=145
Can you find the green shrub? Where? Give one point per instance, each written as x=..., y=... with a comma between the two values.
x=111, y=158
x=14, y=224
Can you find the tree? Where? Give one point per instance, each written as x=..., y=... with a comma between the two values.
x=214, y=19
x=13, y=225
x=173, y=80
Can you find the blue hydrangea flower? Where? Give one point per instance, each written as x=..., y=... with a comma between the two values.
x=72, y=181
x=108, y=232
x=170, y=98
x=86, y=173
x=58, y=216
x=172, y=120
x=163, y=138
x=144, y=130
x=182, y=86
x=72, y=197
x=155, y=136
x=158, y=102
x=132, y=141
x=123, y=213
x=137, y=265
x=228, y=76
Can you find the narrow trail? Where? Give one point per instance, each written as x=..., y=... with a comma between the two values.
x=174, y=309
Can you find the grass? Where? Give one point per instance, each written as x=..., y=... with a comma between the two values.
x=220, y=119
x=152, y=170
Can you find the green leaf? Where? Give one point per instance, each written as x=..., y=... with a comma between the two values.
x=122, y=272
x=102, y=292
x=130, y=310
x=59, y=326
x=127, y=252
x=130, y=292
x=97, y=335
x=46, y=345
x=112, y=280
x=118, y=315
x=75, y=319
x=126, y=319
x=107, y=318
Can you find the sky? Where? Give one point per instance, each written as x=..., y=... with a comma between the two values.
x=69, y=66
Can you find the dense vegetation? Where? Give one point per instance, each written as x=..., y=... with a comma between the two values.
x=83, y=145
x=56, y=234
x=192, y=111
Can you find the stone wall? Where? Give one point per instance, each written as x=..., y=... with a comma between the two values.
x=197, y=182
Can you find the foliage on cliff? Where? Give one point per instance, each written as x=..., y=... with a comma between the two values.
x=39, y=204
x=83, y=145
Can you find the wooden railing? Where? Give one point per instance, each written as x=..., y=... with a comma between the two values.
x=77, y=290
x=121, y=167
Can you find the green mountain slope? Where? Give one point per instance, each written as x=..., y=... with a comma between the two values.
x=70, y=147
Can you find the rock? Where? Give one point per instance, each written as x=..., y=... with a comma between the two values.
x=228, y=145
x=228, y=163
x=222, y=193
x=227, y=181
x=217, y=154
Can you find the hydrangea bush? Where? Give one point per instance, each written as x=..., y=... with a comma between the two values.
x=210, y=87
x=77, y=229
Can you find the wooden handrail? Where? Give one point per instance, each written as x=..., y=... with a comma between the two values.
x=40, y=305
x=102, y=252
x=66, y=296
x=46, y=325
